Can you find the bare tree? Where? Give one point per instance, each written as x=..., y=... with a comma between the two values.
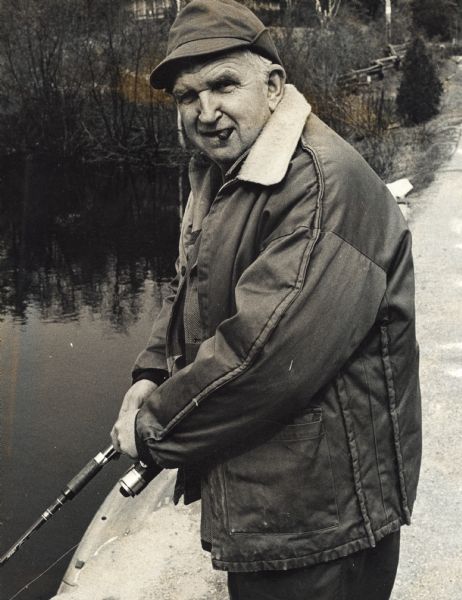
x=326, y=10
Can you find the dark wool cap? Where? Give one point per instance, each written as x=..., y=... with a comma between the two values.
x=206, y=27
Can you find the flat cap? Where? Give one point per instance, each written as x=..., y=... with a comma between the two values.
x=207, y=27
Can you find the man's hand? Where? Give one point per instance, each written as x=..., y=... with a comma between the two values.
x=137, y=394
x=123, y=432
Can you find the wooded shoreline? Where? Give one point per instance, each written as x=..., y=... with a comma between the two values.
x=74, y=79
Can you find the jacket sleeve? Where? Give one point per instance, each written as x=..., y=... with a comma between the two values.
x=303, y=306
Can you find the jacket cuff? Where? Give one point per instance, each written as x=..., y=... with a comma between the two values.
x=157, y=376
x=143, y=451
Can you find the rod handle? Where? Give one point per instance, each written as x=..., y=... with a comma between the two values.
x=69, y=491
x=85, y=475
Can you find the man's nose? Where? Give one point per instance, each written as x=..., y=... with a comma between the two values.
x=209, y=110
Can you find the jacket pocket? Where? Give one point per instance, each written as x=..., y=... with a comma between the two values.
x=286, y=484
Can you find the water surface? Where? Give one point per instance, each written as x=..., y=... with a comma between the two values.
x=84, y=256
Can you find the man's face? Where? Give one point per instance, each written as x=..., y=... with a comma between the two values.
x=224, y=105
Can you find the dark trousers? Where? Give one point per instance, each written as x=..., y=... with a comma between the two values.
x=365, y=575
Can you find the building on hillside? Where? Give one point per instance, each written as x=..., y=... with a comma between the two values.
x=152, y=9
x=269, y=10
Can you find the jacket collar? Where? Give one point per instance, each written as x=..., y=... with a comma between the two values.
x=269, y=157
x=266, y=162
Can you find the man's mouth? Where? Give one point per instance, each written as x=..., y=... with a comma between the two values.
x=221, y=134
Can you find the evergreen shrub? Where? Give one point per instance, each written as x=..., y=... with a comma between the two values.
x=419, y=93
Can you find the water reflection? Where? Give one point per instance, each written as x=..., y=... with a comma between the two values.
x=84, y=252
x=76, y=238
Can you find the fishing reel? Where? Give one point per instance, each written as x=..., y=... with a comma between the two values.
x=137, y=478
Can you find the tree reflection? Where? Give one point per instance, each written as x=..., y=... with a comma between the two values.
x=75, y=238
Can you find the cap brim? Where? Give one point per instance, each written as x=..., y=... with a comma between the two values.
x=166, y=71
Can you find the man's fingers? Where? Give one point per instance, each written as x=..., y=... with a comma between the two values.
x=115, y=438
x=123, y=434
x=137, y=394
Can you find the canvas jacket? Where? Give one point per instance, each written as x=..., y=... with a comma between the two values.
x=302, y=407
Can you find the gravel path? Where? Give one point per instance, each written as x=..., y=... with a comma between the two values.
x=431, y=558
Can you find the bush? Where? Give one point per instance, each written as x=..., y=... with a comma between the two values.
x=316, y=60
x=420, y=90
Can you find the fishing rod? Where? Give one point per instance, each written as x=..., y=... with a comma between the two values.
x=132, y=483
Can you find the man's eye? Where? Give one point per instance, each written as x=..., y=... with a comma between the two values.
x=225, y=86
x=186, y=98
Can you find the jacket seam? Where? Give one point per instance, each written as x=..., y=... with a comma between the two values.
x=269, y=533
x=327, y=231
x=360, y=539
x=176, y=302
x=355, y=458
x=358, y=250
x=379, y=533
x=284, y=235
x=319, y=170
x=375, y=439
x=321, y=182
x=386, y=362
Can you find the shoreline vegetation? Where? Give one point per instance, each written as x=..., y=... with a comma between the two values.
x=74, y=79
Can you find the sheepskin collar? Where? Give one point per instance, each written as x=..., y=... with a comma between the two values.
x=269, y=157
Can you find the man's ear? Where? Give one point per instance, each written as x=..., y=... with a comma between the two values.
x=276, y=82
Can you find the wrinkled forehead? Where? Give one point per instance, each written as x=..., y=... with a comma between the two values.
x=192, y=70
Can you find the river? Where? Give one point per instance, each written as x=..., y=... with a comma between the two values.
x=85, y=253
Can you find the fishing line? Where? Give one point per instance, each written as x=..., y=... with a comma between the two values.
x=45, y=571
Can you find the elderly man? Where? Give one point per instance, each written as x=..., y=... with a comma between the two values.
x=281, y=375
